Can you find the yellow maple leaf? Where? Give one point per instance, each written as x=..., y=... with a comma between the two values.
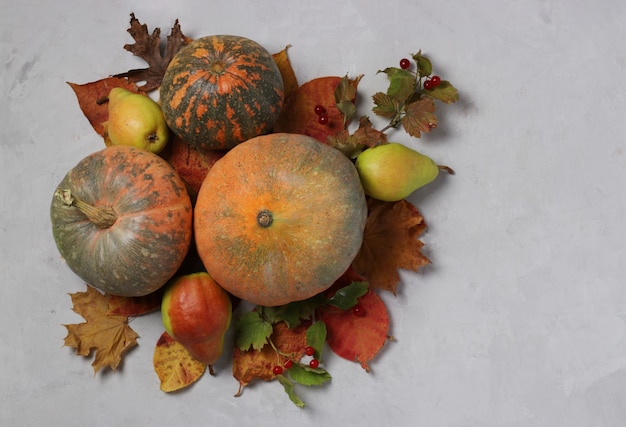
x=109, y=335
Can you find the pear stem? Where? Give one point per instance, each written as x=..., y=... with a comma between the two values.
x=446, y=168
x=101, y=216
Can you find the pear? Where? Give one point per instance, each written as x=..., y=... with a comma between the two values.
x=135, y=120
x=196, y=312
x=391, y=172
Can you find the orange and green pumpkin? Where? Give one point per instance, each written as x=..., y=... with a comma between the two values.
x=279, y=218
x=221, y=90
x=122, y=220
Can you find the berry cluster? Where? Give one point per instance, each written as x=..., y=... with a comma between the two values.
x=322, y=114
x=432, y=82
x=309, y=351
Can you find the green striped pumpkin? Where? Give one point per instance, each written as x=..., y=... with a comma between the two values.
x=221, y=90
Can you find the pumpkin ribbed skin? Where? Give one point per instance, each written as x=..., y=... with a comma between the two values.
x=221, y=90
x=279, y=218
x=151, y=234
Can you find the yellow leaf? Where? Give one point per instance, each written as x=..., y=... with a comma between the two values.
x=174, y=365
x=109, y=335
x=290, y=82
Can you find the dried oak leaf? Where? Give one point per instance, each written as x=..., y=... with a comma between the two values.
x=174, y=366
x=258, y=364
x=148, y=47
x=390, y=242
x=109, y=335
x=357, y=337
x=135, y=306
x=90, y=96
x=298, y=113
x=290, y=81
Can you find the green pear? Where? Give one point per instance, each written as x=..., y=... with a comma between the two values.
x=136, y=120
x=196, y=312
x=391, y=172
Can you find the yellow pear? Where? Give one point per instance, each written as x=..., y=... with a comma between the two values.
x=136, y=120
x=391, y=172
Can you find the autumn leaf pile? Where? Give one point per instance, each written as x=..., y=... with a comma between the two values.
x=350, y=318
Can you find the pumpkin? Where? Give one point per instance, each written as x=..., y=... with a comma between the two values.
x=122, y=220
x=279, y=218
x=221, y=90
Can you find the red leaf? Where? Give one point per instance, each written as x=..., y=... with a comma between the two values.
x=357, y=337
x=134, y=306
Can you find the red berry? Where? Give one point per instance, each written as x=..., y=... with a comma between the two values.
x=323, y=120
x=277, y=370
x=358, y=310
x=405, y=63
x=435, y=80
x=288, y=364
x=320, y=110
x=309, y=351
x=314, y=363
x=428, y=85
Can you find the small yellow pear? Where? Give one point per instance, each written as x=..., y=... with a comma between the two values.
x=391, y=172
x=136, y=120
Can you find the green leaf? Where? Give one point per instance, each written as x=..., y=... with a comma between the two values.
x=444, y=92
x=347, y=297
x=305, y=375
x=316, y=337
x=424, y=66
x=401, y=83
x=293, y=312
x=346, y=89
x=252, y=330
x=348, y=109
x=290, y=390
x=385, y=105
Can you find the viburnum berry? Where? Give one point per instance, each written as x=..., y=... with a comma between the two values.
x=320, y=110
x=435, y=80
x=358, y=310
x=323, y=120
x=277, y=370
x=314, y=363
x=428, y=85
x=309, y=351
x=405, y=63
x=288, y=364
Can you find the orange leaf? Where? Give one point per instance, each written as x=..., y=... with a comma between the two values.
x=290, y=82
x=258, y=364
x=174, y=365
x=298, y=113
x=357, y=337
x=135, y=306
x=109, y=335
x=390, y=242
x=90, y=96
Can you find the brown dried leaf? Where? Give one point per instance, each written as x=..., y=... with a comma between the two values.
x=174, y=365
x=109, y=335
x=390, y=243
x=290, y=81
x=135, y=306
x=90, y=99
x=148, y=47
x=420, y=117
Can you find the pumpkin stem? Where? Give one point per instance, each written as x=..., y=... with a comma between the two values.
x=101, y=216
x=264, y=219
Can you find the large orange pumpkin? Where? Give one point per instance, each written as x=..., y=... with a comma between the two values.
x=221, y=90
x=279, y=218
x=122, y=220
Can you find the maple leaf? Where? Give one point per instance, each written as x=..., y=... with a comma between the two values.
x=174, y=366
x=298, y=113
x=390, y=243
x=357, y=338
x=290, y=81
x=148, y=47
x=419, y=117
x=91, y=95
x=109, y=335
